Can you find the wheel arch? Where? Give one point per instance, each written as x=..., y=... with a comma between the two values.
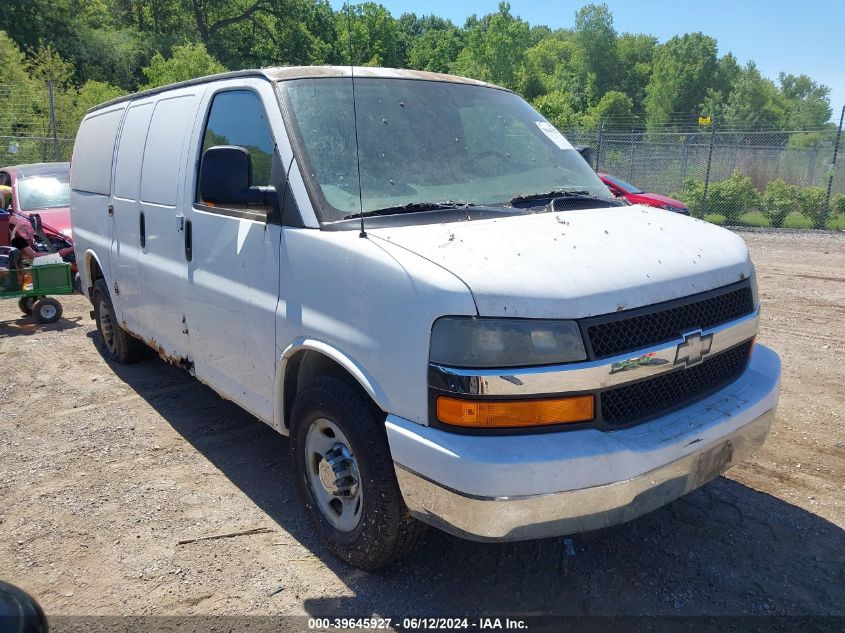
x=306, y=359
x=93, y=271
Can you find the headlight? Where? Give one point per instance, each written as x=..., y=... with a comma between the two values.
x=473, y=342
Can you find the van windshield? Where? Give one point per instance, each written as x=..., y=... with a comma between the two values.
x=424, y=143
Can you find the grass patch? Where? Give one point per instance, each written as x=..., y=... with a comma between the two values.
x=794, y=220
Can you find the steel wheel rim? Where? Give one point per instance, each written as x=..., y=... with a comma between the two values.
x=328, y=455
x=106, y=326
x=48, y=311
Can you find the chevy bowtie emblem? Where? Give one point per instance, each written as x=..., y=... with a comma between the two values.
x=694, y=348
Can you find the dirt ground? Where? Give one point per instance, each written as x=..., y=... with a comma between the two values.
x=104, y=469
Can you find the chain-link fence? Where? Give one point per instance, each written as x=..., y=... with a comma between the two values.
x=765, y=178
x=34, y=125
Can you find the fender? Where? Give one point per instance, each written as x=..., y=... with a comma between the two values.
x=89, y=283
x=355, y=369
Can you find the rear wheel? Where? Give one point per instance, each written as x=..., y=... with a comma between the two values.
x=26, y=303
x=47, y=310
x=117, y=343
x=345, y=475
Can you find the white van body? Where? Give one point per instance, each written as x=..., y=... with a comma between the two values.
x=260, y=304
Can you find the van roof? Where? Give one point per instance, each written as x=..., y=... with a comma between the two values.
x=284, y=73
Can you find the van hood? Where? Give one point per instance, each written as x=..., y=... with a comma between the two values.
x=576, y=264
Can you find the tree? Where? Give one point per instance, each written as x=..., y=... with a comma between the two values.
x=596, y=55
x=495, y=47
x=373, y=34
x=684, y=69
x=807, y=102
x=548, y=66
x=436, y=50
x=754, y=102
x=615, y=108
x=556, y=106
x=187, y=62
x=636, y=62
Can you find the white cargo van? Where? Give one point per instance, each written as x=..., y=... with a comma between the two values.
x=418, y=279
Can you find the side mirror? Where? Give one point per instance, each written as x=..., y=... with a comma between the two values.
x=587, y=154
x=35, y=221
x=225, y=176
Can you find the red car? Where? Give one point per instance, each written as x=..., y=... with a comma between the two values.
x=41, y=188
x=632, y=194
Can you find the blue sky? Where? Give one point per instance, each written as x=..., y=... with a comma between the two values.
x=779, y=35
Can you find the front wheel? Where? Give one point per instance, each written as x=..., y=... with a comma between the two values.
x=118, y=344
x=47, y=310
x=345, y=475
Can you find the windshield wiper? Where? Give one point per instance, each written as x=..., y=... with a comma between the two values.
x=561, y=193
x=413, y=207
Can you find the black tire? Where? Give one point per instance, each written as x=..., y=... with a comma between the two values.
x=26, y=303
x=117, y=344
x=47, y=310
x=385, y=530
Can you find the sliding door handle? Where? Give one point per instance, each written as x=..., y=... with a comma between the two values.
x=189, y=237
x=142, y=230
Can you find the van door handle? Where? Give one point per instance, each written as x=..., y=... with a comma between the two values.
x=189, y=237
x=142, y=230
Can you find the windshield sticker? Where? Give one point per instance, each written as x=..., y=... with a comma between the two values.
x=554, y=135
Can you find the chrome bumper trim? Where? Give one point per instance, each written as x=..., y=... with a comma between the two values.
x=574, y=511
x=586, y=376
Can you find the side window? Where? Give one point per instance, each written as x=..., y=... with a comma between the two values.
x=238, y=118
x=93, y=150
x=4, y=179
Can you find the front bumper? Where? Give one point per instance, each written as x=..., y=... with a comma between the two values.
x=506, y=488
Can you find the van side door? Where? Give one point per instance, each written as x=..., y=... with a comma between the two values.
x=125, y=214
x=162, y=268
x=233, y=270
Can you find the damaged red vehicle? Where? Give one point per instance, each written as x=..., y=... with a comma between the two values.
x=42, y=189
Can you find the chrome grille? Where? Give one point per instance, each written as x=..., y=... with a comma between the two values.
x=637, y=401
x=637, y=329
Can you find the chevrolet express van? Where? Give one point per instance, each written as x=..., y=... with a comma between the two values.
x=420, y=281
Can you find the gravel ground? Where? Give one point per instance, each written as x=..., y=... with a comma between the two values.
x=104, y=469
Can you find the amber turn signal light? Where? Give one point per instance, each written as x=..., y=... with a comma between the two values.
x=492, y=414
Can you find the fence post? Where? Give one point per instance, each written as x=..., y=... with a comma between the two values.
x=707, y=172
x=598, y=145
x=56, y=155
x=631, y=158
x=826, y=211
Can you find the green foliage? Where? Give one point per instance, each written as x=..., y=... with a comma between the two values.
x=614, y=106
x=436, y=49
x=596, y=56
x=494, y=49
x=556, y=107
x=576, y=76
x=812, y=205
x=187, y=62
x=753, y=102
x=636, y=62
x=837, y=205
x=684, y=69
x=376, y=39
x=730, y=198
x=779, y=200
